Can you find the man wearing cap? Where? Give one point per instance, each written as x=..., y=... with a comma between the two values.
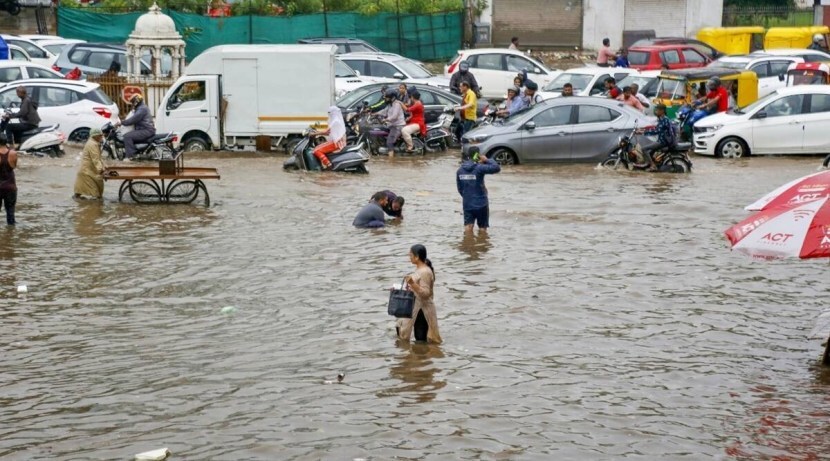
x=90, y=179
x=666, y=137
x=514, y=102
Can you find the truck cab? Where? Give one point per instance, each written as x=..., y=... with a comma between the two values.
x=191, y=109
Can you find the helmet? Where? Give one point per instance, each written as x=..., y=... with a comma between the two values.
x=136, y=98
x=464, y=66
x=818, y=38
x=391, y=94
x=713, y=82
x=514, y=89
x=531, y=85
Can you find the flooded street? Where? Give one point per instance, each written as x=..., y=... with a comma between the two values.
x=603, y=318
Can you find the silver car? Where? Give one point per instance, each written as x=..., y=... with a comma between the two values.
x=568, y=129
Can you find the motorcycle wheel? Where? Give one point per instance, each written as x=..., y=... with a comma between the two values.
x=418, y=147
x=611, y=163
x=676, y=165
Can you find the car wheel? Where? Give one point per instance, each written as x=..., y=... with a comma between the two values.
x=504, y=157
x=731, y=147
x=79, y=136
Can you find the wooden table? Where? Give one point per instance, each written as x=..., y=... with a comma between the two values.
x=146, y=184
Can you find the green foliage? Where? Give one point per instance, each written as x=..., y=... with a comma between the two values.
x=781, y=3
x=288, y=7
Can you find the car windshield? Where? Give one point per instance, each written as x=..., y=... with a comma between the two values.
x=759, y=103
x=356, y=96
x=579, y=82
x=640, y=80
x=412, y=69
x=638, y=58
x=343, y=70
x=735, y=65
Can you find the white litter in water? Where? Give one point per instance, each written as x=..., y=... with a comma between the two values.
x=155, y=455
x=228, y=310
x=22, y=289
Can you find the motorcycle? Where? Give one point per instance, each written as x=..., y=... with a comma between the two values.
x=11, y=6
x=351, y=158
x=629, y=155
x=822, y=332
x=439, y=133
x=687, y=116
x=378, y=136
x=43, y=141
x=159, y=147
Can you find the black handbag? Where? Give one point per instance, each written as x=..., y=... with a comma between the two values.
x=401, y=303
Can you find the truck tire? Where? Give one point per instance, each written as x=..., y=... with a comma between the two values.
x=196, y=144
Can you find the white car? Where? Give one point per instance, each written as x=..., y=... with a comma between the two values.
x=587, y=81
x=347, y=79
x=36, y=52
x=771, y=69
x=791, y=120
x=393, y=66
x=18, y=54
x=77, y=106
x=17, y=70
x=495, y=69
x=807, y=55
x=56, y=46
x=40, y=37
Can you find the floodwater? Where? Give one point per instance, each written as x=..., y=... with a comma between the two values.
x=603, y=318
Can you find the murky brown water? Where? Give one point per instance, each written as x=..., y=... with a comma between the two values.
x=604, y=318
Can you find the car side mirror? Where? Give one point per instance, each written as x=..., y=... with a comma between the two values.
x=781, y=77
x=530, y=126
x=357, y=72
x=537, y=70
x=398, y=76
x=760, y=114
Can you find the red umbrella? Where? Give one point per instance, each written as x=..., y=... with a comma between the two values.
x=801, y=190
x=795, y=231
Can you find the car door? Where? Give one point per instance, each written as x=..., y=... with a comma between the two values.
x=383, y=69
x=189, y=106
x=432, y=107
x=550, y=140
x=598, y=87
x=358, y=65
x=816, y=121
x=36, y=72
x=10, y=74
x=595, y=132
x=671, y=58
x=516, y=64
x=778, y=127
x=57, y=105
x=691, y=58
x=777, y=75
x=761, y=69
x=489, y=71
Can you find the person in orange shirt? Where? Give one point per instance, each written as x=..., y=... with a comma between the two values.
x=336, y=134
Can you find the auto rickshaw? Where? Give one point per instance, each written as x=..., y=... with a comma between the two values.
x=808, y=73
x=733, y=40
x=684, y=86
x=793, y=37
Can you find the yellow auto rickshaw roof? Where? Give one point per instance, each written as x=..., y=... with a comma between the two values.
x=797, y=31
x=704, y=73
x=734, y=30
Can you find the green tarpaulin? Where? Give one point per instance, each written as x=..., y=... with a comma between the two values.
x=422, y=37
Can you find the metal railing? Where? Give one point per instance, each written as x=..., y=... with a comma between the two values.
x=767, y=16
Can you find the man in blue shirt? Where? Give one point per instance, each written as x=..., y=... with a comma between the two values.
x=371, y=216
x=514, y=102
x=469, y=180
x=666, y=137
x=622, y=59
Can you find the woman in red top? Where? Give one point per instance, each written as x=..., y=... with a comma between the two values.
x=416, y=121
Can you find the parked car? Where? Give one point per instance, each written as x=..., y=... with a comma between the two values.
x=388, y=65
x=40, y=37
x=791, y=120
x=495, y=69
x=576, y=129
x=18, y=54
x=587, y=81
x=703, y=47
x=36, y=52
x=56, y=46
x=807, y=55
x=435, y=100
x=654, y=57
x=96, y=58
x=646, y=82
x=771, y=70
x=347, y=79
x=16, y=70
x=344, y=45
x=77, y=106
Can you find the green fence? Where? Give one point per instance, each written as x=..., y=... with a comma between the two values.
x=423, y=37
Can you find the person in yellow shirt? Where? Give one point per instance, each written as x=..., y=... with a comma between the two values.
x=467, y=109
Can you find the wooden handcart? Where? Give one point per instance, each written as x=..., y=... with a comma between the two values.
x=170, y=182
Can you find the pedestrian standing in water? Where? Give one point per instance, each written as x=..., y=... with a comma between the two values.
x=470, y=182
x=90, y=179
x=8, y=185
x=424, y=321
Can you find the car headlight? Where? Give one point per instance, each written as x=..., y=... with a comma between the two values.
x=712, y=129
x=478, y=139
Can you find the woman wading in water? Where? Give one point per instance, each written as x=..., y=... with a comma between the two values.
x=424, y=318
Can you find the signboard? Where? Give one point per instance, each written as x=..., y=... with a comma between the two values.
x=129, y=91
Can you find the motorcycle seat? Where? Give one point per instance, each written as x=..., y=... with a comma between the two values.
x=159, y=137
x=39, y=129
x=683, y=146
x=347, y=149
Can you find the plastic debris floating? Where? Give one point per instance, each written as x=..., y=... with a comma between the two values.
x=154, y=455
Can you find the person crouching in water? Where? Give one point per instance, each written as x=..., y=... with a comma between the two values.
x=371, y=216
x=90, y=179
x=336, y=134
x=424, y=319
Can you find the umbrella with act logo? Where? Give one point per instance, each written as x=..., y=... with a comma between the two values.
x=802, y=190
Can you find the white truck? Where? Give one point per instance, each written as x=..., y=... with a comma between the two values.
x=231, y=94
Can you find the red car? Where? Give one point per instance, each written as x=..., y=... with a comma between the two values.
x=654, y=57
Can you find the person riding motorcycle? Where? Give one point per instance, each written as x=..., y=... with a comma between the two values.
x=666, y=136
x=395, y=119
x=463, y=75
x=716, y=100
x=515, y=102
x=531, y=96
x=336, y=134
x=142, y=121
x=819, y=43
x=28, y=118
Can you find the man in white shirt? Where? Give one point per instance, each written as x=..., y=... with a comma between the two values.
x=514, y=44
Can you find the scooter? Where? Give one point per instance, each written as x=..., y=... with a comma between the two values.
x=158, y=147
x=629, y=155
x=439, y=133
x=351, y=158
x=822, y=332
x=43, y=141
x=687, y=116
x=12, y=6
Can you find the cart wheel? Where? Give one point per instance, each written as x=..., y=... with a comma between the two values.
x=144, y=192
x=182, y=192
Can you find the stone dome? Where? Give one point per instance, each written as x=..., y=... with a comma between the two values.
x=155, y=25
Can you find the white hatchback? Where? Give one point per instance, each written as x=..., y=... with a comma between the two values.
x=495, y=69
x=771, y=69
x=36, y=52
x=586, y=81
x=791, y=120
x=77, y=106
x=17, y=70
